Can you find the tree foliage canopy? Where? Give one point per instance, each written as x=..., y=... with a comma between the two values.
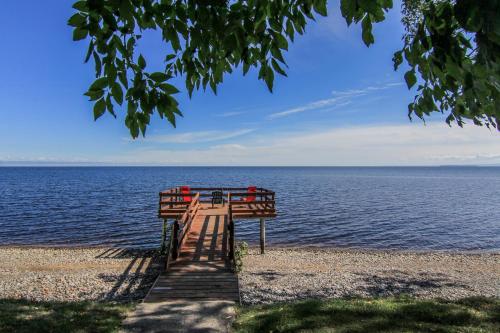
x=450, y=46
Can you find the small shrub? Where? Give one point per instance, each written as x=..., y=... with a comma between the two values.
x=240, y=250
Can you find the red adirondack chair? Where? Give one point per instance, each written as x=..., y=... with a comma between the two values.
x=251, y=190
x=186, y=190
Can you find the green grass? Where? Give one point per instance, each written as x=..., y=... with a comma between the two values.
x=372, y=315
x=30, y=317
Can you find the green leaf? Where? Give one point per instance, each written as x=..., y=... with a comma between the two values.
x=269, y=78
x=98, y=64
x=277, y=67
x=320, y=7
x=89, y=51
x=348, y=9
x=281, y=41
x=109, y=106
x=410, y=78
x=99, y=84
x=141, y=62
x=123, y=79
x=79, y=34
x=397, y=59
x=171, y=118
x=169, y=57
x=99, y=108
x=159, y=76
x=119, y=45
x=94, y=95
x=80, y=5
x=367, y=35
x=117, y=92
x=168, y=88
x=77, y=20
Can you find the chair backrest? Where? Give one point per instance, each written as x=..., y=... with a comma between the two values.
x=251, y=190
x=186, y=190
x=217, y=197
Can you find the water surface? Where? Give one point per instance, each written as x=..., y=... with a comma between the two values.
x=437, y=208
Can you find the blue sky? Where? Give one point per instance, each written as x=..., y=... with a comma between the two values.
x=342, y=104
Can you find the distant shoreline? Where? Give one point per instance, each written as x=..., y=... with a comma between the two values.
x=70, y=165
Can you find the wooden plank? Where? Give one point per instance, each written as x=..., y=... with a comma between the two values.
x=233, y=298
x=193, y=293
x=198, y=274
x=198, y=282
x=204, y=287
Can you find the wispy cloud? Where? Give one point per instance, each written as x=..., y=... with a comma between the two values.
x=311, y=106
x=199, y=137
x=366, y=90
x=341, y=98
x=230, y=114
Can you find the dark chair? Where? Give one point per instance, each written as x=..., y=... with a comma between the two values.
x=217, y=198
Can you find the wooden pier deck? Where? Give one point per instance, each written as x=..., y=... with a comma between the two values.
x=200, y=255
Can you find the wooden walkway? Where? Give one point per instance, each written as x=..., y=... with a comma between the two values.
x=202, y=270
x=200, y=258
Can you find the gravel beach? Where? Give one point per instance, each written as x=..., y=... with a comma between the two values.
x=282, y=274
x=74, y=274
x=290, y=273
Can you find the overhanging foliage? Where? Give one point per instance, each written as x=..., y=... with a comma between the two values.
x=454, y=50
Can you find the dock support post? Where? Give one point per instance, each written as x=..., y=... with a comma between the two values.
x=262, y=236
x=163, y=237
x=175, y=242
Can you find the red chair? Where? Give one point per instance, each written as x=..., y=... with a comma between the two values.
x=186, y=190
x=251, y=190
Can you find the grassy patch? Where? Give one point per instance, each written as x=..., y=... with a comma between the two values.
x=26, y=316
x=372, y=315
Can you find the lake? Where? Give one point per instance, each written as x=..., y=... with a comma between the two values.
x=414, y=208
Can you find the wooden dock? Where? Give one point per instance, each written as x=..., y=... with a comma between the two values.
x=200, y=254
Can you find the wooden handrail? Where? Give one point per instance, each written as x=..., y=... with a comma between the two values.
x=188, y=217
x=230, y=230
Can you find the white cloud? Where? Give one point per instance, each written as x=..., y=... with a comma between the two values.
x=411, y=144
x=311, y=106
x=230, y=114
x=198, y=137
x=407, y=144
x=341, y=98
x=366, y=90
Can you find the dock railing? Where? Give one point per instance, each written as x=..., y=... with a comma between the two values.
x=180, y=229
x=173, y=205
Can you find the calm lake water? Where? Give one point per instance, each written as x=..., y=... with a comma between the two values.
x=441, y=208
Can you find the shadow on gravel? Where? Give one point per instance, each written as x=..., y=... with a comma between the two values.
x=137, y=278
x=398, y=283
x=23, y=316
x=373, y=315
x=391, y=283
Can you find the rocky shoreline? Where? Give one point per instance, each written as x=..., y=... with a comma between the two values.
x=285, y=274
x=282, y=274
x=76, y=274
